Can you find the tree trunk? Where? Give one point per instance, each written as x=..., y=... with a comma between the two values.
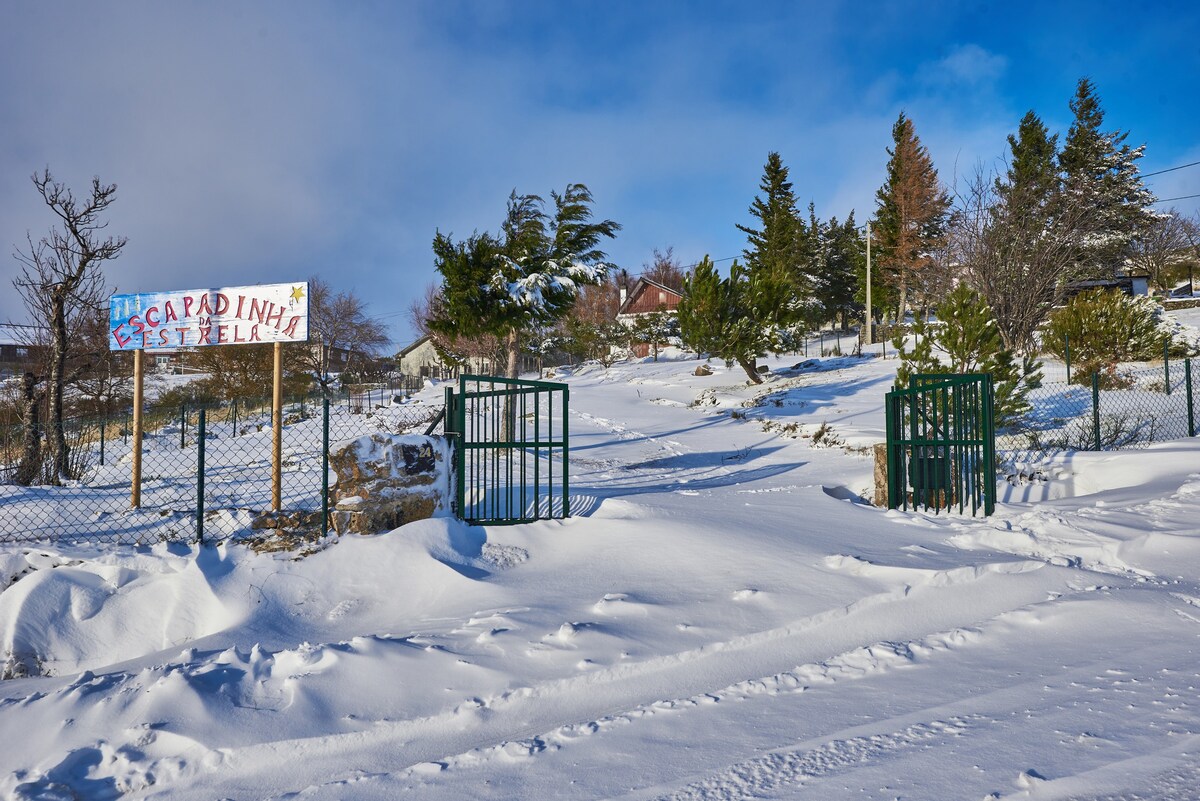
x=512, y=343
x=31, y=440
x=58, y=369
x=751, y=368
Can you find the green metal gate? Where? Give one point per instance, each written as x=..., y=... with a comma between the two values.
x=941, y=444
x=511, y=447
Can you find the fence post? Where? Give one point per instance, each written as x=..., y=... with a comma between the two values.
x=1187, y=385
x=566, y=448
x=182, y=426
x=104, y=424
x=325, y=466
x=1096, y=409
x=200, y=479
x=459, y=406
x=235, y=431
x=1167, y=363
x=1067, y=350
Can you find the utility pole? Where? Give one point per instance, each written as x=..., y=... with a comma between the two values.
x=870, y=338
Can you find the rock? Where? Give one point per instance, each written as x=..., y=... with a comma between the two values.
x=881, y=475
x=387, y=480
x=703, y=369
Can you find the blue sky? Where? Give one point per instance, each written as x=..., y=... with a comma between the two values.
x=264, y=142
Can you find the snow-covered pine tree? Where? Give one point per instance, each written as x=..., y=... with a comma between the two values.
x=656, y=329
x=1100, y=173
x=911, y=214
x=530, y=276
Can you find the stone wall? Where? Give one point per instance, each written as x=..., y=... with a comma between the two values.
x=387, y=480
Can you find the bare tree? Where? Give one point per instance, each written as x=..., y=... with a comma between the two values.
x=61, y=284
x=454, y=349
x=665, y=268
x=1163, y=248
x=102, y=378
x=1016, y=254
x=338, y=323
x=1191, y=230
x=598, y=304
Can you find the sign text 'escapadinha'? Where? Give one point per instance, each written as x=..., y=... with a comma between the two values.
x=201, y=317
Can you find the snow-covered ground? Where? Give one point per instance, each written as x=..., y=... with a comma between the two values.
x=723, y=617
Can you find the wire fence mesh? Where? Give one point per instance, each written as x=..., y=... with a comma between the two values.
x=234, y=443
x=1124, y=406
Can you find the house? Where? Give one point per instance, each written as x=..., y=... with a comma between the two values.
x=422, y=360
x=1132, y=285
x=646, y=297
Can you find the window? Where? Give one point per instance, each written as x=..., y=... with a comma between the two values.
x=22, y=353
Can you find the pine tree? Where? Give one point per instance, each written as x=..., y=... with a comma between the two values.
x=656, y=329
x=845, y=258
x=735, y=318
x=1100, y=173
x=704, y=309
x=911, y=214
x=777, y=247
x=527, y=278
x=966, y=336
x=814, y=252
x=1033, y=169
x=1017, y=260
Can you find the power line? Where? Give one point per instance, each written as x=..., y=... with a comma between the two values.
x=697, y=264
x=1181, y=197
x=1170, y=169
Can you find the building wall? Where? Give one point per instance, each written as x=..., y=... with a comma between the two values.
x=650, y=299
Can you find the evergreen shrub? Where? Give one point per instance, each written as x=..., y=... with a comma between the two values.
x=1106, y=327
x=966, y=339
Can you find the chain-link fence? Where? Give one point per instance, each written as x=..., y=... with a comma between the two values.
x=1123, y=406
x=205, y=469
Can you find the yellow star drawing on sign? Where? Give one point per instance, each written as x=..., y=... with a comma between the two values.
x=297, y=292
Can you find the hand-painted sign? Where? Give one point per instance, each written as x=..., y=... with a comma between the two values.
x=201, y=317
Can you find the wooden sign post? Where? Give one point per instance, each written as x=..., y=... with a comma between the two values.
x=195, y=318
x=277, y=432
x=135, y=500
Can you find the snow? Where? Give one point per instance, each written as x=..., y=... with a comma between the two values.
x=724, y=617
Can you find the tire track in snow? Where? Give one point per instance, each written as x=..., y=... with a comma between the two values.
x=516, y=723
x=859, y=663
